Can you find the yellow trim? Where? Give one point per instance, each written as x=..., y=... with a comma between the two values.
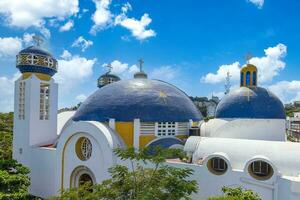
x=146, y=139
x=125, y=130
x=63, y=163
x=248, y=68
x=181, y=136
x=43, y=77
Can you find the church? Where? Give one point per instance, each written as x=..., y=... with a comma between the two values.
x=244, y=145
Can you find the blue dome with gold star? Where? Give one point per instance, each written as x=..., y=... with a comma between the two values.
x=250, y=102
x=139, y=98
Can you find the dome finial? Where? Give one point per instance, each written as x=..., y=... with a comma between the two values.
x=38, y=40
x=248, y=57
x=141, y=73
x=108, y=77
x=109, y=67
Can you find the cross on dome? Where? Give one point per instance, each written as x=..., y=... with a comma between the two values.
x=38, y=40
x=248, y=57
x=109, y=67
x=141, y=62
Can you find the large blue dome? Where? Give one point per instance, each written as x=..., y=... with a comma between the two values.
x=253, y=102
x=144, y=99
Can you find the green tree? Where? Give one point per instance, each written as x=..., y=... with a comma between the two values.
x=236, y=194
x=14, y=181
x=6, y=129
x=139, y=182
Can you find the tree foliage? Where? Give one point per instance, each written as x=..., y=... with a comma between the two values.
x=139, y=182
x=14, y=181
x=237, y=194
x=6, y=129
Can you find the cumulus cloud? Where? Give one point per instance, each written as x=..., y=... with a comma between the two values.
x=7, y=92
x=268, y=66
x=220, y=75
x=287, y=91
x=10, y=46
x=166, y=73
x=82, y=43
x=81, y=97
x=28, y=13
x=73, y=70
x=67, y=26
x=138, y=28
x=258, y=3
x=28, y=38
x=102, y=17
x=123, y=70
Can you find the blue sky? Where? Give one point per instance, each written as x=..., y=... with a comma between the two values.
x=191, y=44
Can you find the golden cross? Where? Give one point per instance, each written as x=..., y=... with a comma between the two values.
x=38, y=39
x=141, y=62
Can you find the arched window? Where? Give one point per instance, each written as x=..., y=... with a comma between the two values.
x=217, y=166
x=85, y=178
x=242, y=78
x=248, y=78
x=83, y=148
x=254, y=79
x=260, y=170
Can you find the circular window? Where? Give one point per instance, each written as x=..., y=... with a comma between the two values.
x=260, y=170
x=217, y=166
x=83, y=148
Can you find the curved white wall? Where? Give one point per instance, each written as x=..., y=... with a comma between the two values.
x=255, y=129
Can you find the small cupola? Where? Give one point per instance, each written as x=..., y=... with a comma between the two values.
x=249, y=75
x=36, y=60
x=107, y=78
x=141, y=73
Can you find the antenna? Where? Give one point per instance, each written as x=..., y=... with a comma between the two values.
x=227, y=83
x=38, y=40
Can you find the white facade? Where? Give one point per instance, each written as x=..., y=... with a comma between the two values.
x=47, y=143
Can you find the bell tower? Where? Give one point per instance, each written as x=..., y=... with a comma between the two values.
x=248, y=75
x=35, y=101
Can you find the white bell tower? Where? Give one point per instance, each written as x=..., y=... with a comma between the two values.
x=35, y=102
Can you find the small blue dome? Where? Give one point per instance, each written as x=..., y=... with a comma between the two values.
x=144, y=99
x=252, y=102
x=35, y=50
x=36, y=60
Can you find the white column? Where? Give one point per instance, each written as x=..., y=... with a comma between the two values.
x=136, y=133
x=112, y=124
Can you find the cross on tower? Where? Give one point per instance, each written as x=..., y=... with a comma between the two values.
x=109, y=67
x=248, y=57
x=38, y=40
x=141, y=62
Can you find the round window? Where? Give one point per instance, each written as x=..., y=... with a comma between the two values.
x=83, y=148
x=217, y=166
x=260, y=170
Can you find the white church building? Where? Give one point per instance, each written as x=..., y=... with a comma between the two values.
x=245, y=145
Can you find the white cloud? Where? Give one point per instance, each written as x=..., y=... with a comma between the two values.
x=28, y=38
x=271, y=64
x=67, y=26
x=81, y=97
x=102, y=17
x=258, y=3
x=166, y=73
x=122, y=69
x=66, y=55
x=287, y=91
x=220, y=75
x=73, y=70
x=10, y=46
x=7, y=92
x=26, y=13
x=268, y=66
x=82, y=43
x=137, y=27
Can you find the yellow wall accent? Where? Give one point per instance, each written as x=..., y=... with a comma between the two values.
x=145, y=139
x=125, y=130
x=43, y=77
